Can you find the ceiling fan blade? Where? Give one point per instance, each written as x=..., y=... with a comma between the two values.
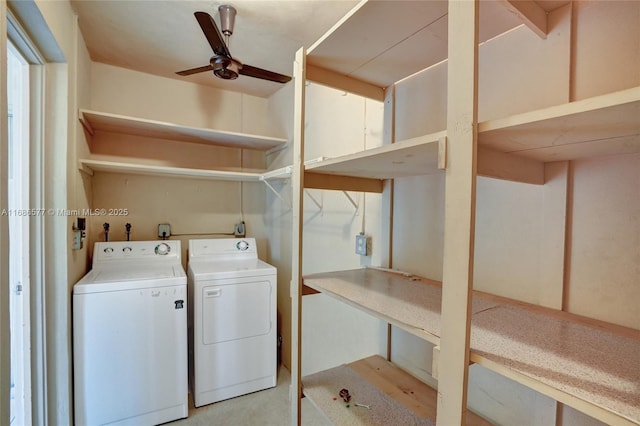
x=212, y=33
x=195, y=70
x=250, y=71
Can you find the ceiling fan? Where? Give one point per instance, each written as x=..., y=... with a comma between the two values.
x=221, y=63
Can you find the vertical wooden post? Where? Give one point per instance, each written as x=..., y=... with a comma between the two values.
x=297, y=192
x=459, y=212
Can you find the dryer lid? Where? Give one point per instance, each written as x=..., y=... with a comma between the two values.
x=212, y=269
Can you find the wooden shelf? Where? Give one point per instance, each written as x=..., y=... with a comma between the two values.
x=89, y=166
x=394, y=397
x=358, y=50
x=100, y=121
x=602, y=125
x=418, y=156
x=589, y=365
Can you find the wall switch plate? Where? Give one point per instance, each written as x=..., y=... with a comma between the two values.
x=363, y=244
x=164, y=230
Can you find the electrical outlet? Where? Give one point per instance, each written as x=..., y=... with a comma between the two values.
x=363, y=244
x=239, y=230
x=164, y=230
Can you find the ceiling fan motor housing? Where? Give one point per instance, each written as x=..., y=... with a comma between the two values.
x=225, y=68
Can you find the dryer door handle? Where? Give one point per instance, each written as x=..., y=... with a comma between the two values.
x=215, y=292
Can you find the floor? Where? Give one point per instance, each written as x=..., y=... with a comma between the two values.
x=269, y=407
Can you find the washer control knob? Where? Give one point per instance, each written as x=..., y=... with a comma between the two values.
x=242, y=245
x=126, y=249
x=108, y=250
x=163, y=249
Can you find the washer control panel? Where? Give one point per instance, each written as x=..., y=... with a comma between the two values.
x=142, y=250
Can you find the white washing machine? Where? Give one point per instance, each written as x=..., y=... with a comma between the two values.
x=233, y=327
x=130, y=335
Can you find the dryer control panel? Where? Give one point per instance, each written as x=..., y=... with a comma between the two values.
x=223, y=248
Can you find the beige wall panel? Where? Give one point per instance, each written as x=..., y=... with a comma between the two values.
x=126, y=92
x=418, y=225
x=605, y=240
x=118, y=147
x=277, y=215
x=335, y=122
x=335, y=333
x=421, y=103
x=519, y=248
x=79, y=184
x=520, y=72
x=570, y=417
x=509, y=223
x=189, y=206
x=506, y=402
x=607, y=47
x=413, y=355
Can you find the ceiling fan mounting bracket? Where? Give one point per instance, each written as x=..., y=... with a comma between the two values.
x=227, y=19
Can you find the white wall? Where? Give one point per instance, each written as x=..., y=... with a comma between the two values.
x=337, y=123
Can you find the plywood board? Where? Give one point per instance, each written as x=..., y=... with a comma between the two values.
x=409, y=302
x=366, y=41
x=611, y=122
x=417, y=156
x=148, y=169
x=393, y=396
x=105, y=122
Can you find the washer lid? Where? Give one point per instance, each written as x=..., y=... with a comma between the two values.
x=125, y=276
x=209, y=269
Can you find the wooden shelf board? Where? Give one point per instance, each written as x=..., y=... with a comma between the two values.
x=417, y=156
x=146, y=169
x=100, y=121
x=355, y=48
x=408, y=302
x=394, y=396
x=607, y=124
x=587, y=366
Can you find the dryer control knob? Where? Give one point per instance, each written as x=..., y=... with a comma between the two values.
x=108, y=250
x=163, y=249
x=242, y=245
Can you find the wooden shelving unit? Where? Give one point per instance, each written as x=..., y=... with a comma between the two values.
x=603, y=125
x=94, y=121
x=585, y=364
x=558, y=354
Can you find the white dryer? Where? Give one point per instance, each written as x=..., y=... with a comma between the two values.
x=130, y=335
x=233, y=324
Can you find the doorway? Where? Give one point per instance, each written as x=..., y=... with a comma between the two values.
x=19, y=213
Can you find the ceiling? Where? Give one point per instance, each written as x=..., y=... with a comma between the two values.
x=162, y=37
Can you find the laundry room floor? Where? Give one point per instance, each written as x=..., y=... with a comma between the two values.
x=269, y=407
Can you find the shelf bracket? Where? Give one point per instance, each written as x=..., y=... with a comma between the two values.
x=316, y=202
x=277, y=194
x=351, y=200
x=86, y=125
